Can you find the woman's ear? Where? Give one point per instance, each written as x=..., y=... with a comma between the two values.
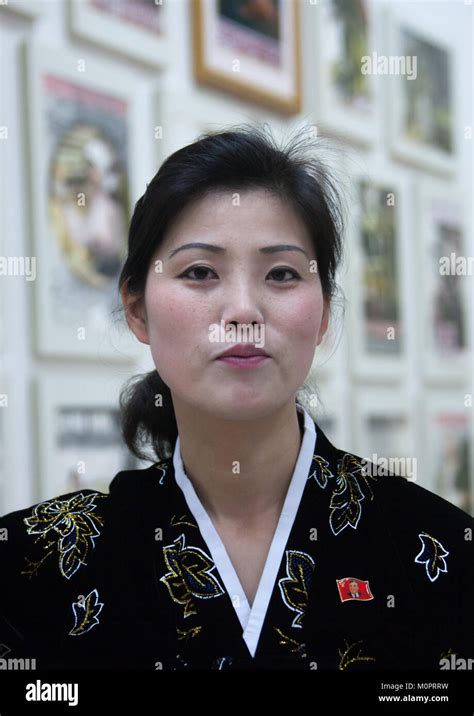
x=135, y=313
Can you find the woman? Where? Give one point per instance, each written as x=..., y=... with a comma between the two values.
x=253, y=542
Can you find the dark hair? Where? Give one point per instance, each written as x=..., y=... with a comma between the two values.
x=245, y=156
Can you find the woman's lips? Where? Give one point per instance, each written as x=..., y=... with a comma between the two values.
x=239, y=362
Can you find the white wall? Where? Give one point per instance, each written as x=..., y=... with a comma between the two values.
x=184, y=107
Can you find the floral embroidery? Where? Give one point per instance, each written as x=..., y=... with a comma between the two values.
x=432, y=555
x=71, y=526
x=321, y=472
x=346, y=499
x=295, y=587
x=347, y=495
x=348, y=656
x=296, y=647
x=86, y=611
x=183, y=519
x=188, y=633
x=189, y=575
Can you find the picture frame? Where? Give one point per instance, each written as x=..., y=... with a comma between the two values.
x=445, y=280
x=421, y=112
x=136, y=30
x=83, y=173
x=255, y=57
x=448, y=441
x=78, y=436
x=386, y=430
x=343, y=100
x=380, y=271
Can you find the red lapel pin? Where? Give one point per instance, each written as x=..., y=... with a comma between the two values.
x=353, y=589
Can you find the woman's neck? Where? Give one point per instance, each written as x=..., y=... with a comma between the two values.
x=240, y=469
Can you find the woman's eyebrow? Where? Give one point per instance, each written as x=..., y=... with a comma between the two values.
x=219, y=249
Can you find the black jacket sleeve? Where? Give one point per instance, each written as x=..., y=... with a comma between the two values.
x=42, y=551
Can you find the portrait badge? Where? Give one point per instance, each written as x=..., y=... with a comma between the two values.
x=353, y=589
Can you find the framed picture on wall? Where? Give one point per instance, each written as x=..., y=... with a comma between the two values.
x=81, y=117
x=385, y=430
x=449, y=440
x=251, y=49
x=421, y=108
x=379, y=269
x=79, y=439
x=445, y=270
x=342, y=94
x=135, y=28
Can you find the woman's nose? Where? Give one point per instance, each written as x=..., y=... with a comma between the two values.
x=242, y=305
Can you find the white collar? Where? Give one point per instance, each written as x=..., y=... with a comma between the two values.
x=252, y=619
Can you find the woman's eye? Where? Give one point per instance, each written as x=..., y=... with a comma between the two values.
x=201, y=273
x=280, y=271
x=201, y=269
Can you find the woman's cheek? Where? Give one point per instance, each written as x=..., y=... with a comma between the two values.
x=303, y=321
x=170, y=362
x=176, y=340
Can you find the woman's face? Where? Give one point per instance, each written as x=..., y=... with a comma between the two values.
x=237, y=284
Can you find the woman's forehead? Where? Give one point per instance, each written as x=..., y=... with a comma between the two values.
x=255, y=216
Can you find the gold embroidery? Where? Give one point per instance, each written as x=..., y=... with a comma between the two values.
x=432, y=555
x=296, y=647
x=295, y=587
x=86, y=612
x=185, y=634
x=347, y=658
x=189, y=575
x=72, y=525
x=183, y=520
x=322, y=473
x=346, y=499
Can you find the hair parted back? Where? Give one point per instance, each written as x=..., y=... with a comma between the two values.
x=241, y=157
